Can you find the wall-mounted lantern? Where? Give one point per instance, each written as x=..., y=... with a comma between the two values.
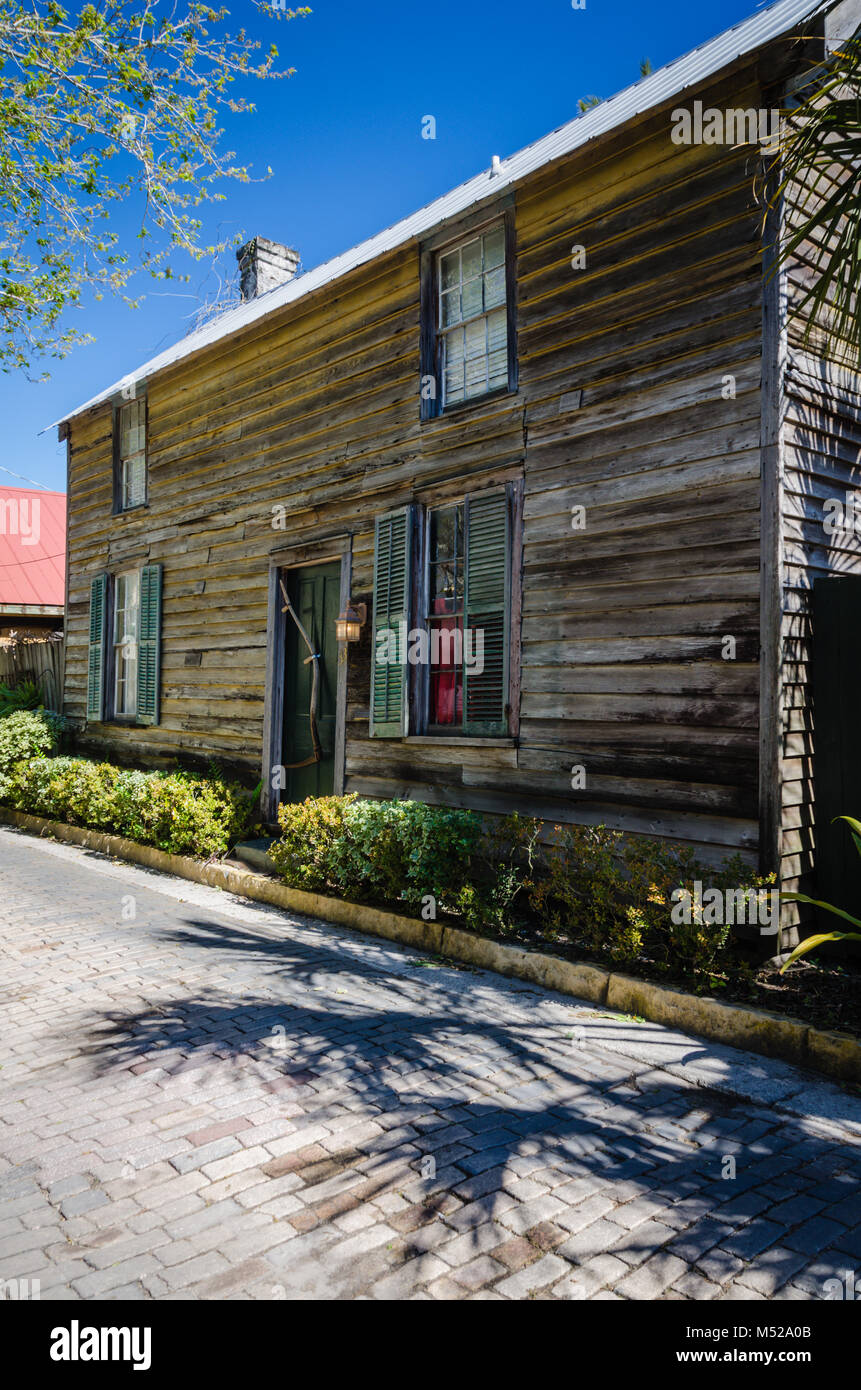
x=349, y=624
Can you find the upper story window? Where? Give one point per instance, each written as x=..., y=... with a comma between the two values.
x=472, y=320
x=131, y=455
x=468, y=348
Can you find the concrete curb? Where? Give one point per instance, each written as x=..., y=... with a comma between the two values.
x=836, y=1055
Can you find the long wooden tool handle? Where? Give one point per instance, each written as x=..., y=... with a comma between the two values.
x=314, y=657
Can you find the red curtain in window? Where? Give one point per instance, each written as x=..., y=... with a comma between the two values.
x=446, y=685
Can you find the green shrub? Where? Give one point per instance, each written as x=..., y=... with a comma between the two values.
x=24, y=735
x=506, y=868
x=614, y=894
x=609, y=894
x=309, y=832
x=177, y=811
x=395, y=850
x=405, y=849
x=25, y=694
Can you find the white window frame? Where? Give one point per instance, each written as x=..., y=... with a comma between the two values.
x=132, y=465
x=126, y=633
x=445, y=332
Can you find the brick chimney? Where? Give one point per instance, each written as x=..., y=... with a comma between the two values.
x=263, y=265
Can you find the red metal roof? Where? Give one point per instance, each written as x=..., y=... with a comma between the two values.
x=32, y=546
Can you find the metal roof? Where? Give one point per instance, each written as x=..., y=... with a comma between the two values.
x=649, y=92
x=32, y=547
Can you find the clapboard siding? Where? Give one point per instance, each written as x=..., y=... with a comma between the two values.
x=315, y=410
x=821, y=462
x=822, y=446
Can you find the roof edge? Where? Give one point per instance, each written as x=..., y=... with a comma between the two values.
x=647, y=94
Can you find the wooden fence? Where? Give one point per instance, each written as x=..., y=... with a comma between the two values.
x=37, y=661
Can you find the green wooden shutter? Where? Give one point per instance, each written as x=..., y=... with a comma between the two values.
x=96, y=660
x=149, y=645
x=486, y=607
x=392, y=576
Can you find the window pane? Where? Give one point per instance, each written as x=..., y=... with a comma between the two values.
x=454, y=384
x=476, y=339
x=497, y=371
x=497, y=357
x=134, y=480
x=131, y=428
x=445, y=703
x=446, y=560
x=119, y=607
x=133, y=453
x=471, y=259
x=453, y=366
x=472, y=298
x=442, y=534
x=450, y=308
x=497, y=329
x=494, y=248
x=476, y=378
x=450, y=270
x=126, y=611
x=494, y=288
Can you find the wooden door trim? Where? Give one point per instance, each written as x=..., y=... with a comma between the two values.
x=276, y=651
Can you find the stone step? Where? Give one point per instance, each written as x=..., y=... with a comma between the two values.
x=253, y=853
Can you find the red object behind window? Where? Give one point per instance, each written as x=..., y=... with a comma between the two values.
x=446, y=678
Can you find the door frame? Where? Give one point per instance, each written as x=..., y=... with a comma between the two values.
x=334, y=548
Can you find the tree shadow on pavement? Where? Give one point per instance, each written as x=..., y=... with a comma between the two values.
x=467, y=1103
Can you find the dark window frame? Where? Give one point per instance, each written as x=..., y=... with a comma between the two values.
x=429, y=254
x=418, y=677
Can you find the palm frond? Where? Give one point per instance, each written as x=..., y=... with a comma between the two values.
x=815, y=177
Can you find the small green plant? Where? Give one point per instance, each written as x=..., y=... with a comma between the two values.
x=810, y=943
x=24, y=695
x=505, y=869
x=588, y=885
x=176, y=811
x=613, y=894
x=397, y=851
x=24, y=735
x=392, y=850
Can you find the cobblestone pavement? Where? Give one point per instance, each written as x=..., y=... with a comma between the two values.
x=203, y=1098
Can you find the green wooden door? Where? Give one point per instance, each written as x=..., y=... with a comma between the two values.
x=315, y=593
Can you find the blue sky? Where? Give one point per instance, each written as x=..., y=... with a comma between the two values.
x=343, y=139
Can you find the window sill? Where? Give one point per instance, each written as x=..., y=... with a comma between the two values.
x=453, y=740
x=448, y=412
x=128, y=511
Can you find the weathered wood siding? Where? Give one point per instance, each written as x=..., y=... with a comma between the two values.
x=821, y=463
x=624, y=621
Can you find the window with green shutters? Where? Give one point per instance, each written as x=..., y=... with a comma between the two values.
x=442, y=619
x=392, y=576
x=149, y=645
x=124, y=673
x=486, y=604
x=96, y=661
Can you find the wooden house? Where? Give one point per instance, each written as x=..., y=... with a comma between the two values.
x=560, y=407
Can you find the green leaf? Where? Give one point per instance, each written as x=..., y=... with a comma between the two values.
x=811, y=942
x=826, y=907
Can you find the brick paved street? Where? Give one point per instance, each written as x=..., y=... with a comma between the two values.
x=203, y=1098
